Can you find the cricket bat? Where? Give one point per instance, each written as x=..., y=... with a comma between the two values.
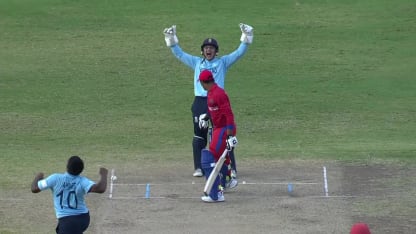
x=214, y=173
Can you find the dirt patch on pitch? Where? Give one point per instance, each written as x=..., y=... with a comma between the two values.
x=383, y=195
x=261, y=203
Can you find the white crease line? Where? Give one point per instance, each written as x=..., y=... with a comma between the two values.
x=111, y=184
x=281, y=196
x=325, y=182
x=240, y=183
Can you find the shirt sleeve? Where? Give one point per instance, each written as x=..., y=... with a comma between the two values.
x=187, y=59
x=225, y=106
x=49, y=182
x=86, y=184
x=231, y=58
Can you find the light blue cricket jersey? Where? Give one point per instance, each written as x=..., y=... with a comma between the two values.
x=68, y=193
x=218, y=66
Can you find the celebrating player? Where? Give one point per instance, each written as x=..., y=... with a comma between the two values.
x=223, y=135
x=68, y=192
x=218, y=66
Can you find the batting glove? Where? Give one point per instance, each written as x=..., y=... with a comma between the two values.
x=246, y=33
x=231, y=142
x=203, y=121
x=170, y=36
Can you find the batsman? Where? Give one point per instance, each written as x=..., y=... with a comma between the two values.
x=216, y=159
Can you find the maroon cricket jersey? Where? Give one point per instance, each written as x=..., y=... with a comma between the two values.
x=219, y=108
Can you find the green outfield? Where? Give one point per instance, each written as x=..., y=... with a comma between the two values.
x=323, y=80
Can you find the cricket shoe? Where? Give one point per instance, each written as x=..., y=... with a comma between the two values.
x=232, y=183
x=208, y=199
x=234, y=174
x=198, y=173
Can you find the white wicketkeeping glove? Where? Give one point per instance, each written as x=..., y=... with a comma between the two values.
x=203, y=121
x=170, y=36
x=231, y=142
x=246, y=33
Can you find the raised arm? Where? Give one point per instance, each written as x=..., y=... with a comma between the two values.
x=173, y=43
x=101, y=186
x=246, y=39
x=34, y=187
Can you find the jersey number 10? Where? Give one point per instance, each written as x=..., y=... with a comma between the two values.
x=71, y=199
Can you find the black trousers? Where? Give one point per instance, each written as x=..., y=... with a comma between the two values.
x=199, y=141
x=74, y=224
